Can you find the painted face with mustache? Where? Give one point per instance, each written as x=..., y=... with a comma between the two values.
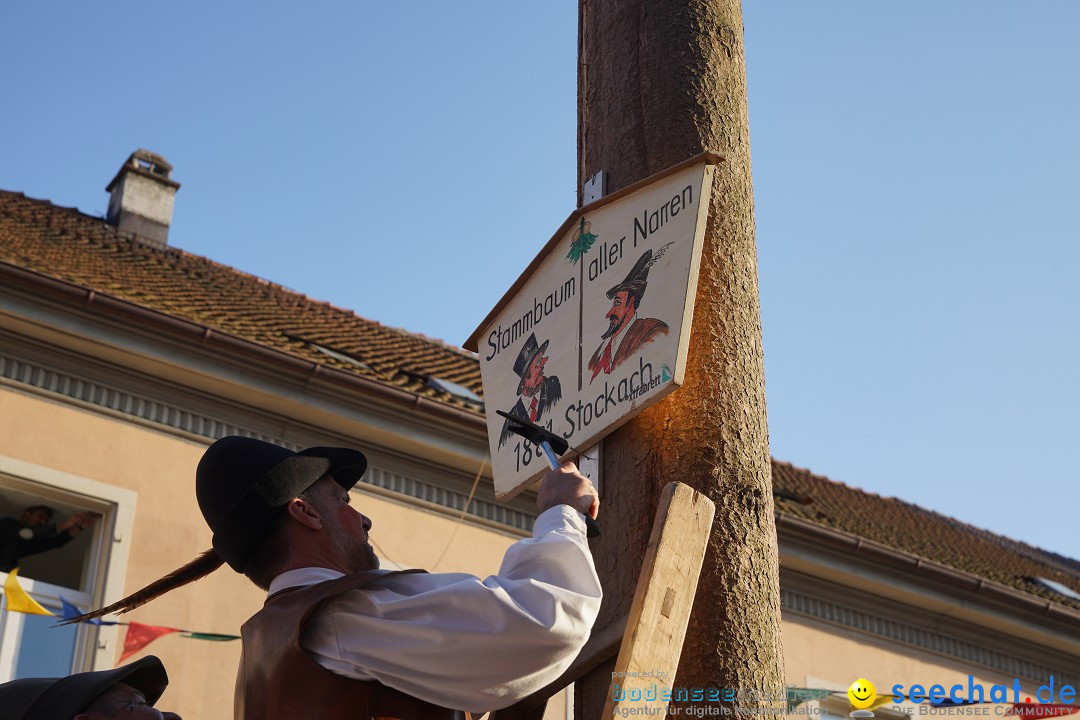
x=535, y=374
x=622, y=310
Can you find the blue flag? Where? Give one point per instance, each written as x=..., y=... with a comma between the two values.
x=70, y=611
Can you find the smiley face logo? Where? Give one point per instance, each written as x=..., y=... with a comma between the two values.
x=862, y=693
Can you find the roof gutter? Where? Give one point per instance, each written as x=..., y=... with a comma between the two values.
x=850, y=544
x=188, y=330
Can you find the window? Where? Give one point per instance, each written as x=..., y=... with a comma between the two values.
x=44, y=650
x=80, y=572
x=68, y=565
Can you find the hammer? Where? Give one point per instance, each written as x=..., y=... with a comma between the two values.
x=551, y=444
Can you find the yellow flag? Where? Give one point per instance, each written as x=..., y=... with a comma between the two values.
x=18, y=600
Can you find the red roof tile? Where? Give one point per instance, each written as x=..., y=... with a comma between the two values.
x=86, y=251
x=924, y=533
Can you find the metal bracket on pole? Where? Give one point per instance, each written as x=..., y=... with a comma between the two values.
x=591, y=464
x=594, y=188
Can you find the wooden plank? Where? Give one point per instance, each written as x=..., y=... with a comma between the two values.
x=664, y=596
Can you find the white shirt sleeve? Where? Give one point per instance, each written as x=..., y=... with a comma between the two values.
x=465, y=643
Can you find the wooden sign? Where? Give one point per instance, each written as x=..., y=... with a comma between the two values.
x=597, y=327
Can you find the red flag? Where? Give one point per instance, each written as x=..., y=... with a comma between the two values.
x=139, y=636
x=1041, y=710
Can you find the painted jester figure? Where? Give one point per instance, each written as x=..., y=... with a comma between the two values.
x=536, y=391
x=626, y=332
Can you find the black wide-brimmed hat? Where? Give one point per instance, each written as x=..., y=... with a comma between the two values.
x=636, y=280
x=63, y=698
x=524, y=359
x=243, y=484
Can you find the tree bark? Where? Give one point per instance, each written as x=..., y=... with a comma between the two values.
x=660, y=81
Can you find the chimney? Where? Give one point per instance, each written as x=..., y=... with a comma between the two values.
x=141, y=200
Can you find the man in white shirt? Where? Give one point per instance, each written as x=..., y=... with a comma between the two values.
x=398, y=645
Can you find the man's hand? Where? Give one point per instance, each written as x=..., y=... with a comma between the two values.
x=78, y=522
x=567, y=486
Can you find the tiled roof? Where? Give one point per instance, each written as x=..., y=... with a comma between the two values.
x=68, y=245
x=86, y=251
x=924, y=533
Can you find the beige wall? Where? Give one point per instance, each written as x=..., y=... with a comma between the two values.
x=169, y=531
x=816, y=654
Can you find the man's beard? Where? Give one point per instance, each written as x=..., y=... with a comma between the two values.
x=369, y=558
x=364, y=558
x=359, y=555
x=614, y=327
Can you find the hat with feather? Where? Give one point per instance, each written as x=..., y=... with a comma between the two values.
x=638, y=277
x=243, y=485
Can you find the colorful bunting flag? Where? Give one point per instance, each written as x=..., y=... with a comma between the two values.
x=17, y=598
x=215, y=637
x=1041, y=710
x=70, y=611
x=139, y=636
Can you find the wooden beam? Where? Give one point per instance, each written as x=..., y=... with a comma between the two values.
x=663, y=598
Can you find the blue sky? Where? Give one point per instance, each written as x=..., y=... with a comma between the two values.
x=915, y=172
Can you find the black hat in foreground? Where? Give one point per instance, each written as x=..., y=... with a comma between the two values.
x=243, y=484
x=63, y=698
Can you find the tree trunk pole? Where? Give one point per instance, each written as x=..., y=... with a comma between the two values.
x=660, y=81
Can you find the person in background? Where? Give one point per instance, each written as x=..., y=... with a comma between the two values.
x=34, y=533
x=127, y=692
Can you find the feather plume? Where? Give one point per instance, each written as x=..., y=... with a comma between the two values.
x=659, y=254
x=198, y=568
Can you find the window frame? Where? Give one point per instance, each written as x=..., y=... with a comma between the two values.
x=105, y=570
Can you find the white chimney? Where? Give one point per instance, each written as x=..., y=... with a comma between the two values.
x=142, y=197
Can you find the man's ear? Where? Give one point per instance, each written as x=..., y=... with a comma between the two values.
x=303, y=512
